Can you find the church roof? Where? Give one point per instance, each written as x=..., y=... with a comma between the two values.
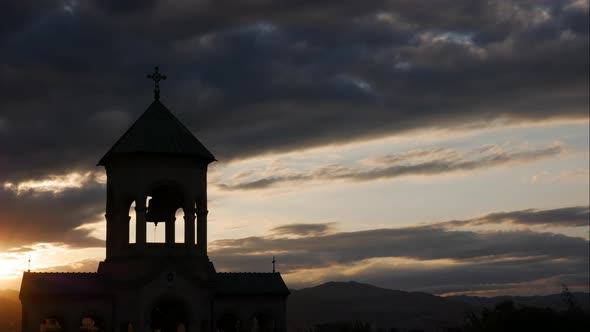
x=61, y=283
x=241, y=283
x=158, y=131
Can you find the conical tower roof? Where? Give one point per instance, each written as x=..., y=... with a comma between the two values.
x=158, y=131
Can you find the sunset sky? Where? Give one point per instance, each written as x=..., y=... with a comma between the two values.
x=438, y=146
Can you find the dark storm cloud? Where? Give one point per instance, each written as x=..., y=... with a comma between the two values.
x=32, y=217
x=124, y=7
x=184, y=18
x=575, y=216
x=18, y=14
x=252, y=77
x=414, y=162
x=420, y=243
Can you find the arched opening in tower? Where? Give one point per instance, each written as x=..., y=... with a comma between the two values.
x=164, y=202
x=179, y=226
x=132, y=223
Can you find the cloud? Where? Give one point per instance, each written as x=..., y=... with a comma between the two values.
x=302, y=229
x=124, y=7
x=485, y=278
x=434, y=258
x=575, y=216
x=21, y=13
x=349, y=247
x=517, y=276
x=415, y=162
x=52, y=209
x=305, y=73
x=43, y=216
x=55, y=183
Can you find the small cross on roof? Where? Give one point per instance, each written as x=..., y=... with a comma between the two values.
x=156, y=77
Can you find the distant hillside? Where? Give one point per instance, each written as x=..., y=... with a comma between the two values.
x=382, y=308
x=553, y=301
x=9, y=311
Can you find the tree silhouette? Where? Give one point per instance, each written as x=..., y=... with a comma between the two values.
x=508, y=317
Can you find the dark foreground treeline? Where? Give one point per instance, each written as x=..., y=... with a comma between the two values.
x=504, y=317
x=507, y=317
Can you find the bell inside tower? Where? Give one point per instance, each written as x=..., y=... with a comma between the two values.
x=161, y=211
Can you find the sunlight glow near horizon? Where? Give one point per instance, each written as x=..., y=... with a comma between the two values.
x=44, y=257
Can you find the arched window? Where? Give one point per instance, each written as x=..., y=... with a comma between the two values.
x=179, y=228
x=51, y=324
x=89, y=324
x=132, y=223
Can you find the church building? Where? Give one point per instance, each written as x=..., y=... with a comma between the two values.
x=158, y=169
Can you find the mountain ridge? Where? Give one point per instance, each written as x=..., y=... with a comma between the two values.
x=338, y=302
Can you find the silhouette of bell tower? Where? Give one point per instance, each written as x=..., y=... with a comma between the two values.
x=160, y=167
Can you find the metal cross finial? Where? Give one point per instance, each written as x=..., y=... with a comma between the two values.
x=273, y=264
x=29, y=270
x=156, y=77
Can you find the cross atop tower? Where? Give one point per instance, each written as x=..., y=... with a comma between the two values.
x=274, y=261
x=156, y=77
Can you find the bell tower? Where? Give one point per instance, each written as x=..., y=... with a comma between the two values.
x=157, y=173
x=161, y=168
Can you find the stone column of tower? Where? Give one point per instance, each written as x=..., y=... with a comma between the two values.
x=140, y=227
x=202, y=230
x=189, y=224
